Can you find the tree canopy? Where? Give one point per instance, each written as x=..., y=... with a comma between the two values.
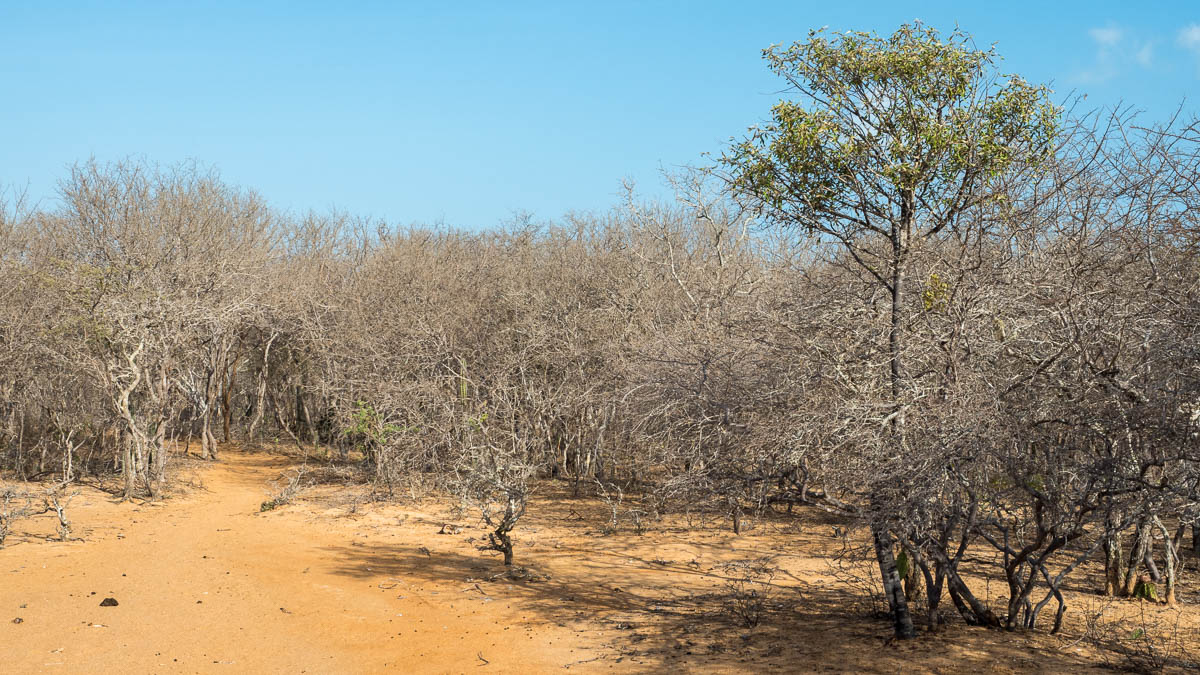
x=881, y=128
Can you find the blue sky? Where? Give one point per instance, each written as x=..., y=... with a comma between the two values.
x=466, y=112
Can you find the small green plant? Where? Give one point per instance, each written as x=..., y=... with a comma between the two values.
x=1145, y=589
x=367, y=422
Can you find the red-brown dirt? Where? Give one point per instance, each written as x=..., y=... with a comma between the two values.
x=207, y=583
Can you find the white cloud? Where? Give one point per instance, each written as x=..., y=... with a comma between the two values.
x=1107, y=37
x=1145, y=55
x=1117, y=52
x=1189, y=36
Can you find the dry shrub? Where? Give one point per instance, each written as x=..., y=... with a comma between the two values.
x=681, y=351
x=750, y=589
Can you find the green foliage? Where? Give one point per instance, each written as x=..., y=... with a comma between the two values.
x=463, y=394
x=368, y=423
x=1036, y=482
x=910, y=112
x=936, y=296
x=1146, y=590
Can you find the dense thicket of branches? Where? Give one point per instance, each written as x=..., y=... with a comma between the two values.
x=1050, y=357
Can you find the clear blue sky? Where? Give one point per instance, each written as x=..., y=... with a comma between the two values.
x=464, y=112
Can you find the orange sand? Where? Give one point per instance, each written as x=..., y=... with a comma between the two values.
x=206, y=583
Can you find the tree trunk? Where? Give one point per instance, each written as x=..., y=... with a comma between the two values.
x=897, y=325
x=68, y=462
x=205, y=446
x=227, y=380
x=1138, y=551
x=156, y=460
x=312, y=428
x=884, y=555
x=127, y=466
x=282, y=423
x=506, y=549
x=1172, y=559
x=212, y=442
x=1114, y=563
x=208, y=444
x=226, y=412
x=911, y=577
x=892, y=588
x=299, y=409
x=972, y=610
x=934, y=581
x=263, y=374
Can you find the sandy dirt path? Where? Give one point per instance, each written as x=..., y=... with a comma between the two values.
x=334, y=584
x=205, y=583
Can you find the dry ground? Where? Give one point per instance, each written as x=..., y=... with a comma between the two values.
x=328, y=584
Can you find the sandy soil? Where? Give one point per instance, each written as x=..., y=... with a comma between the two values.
x=207, y=583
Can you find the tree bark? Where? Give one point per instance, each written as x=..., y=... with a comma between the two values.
x=228, y=375
x=892, y=588
x=1137, y=554
x=1172, y=559
x=127, y=466
x=1114, y=561
x=263, y=374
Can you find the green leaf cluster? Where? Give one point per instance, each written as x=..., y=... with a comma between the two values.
x=879, y=115
x=366, y=422
x=936, y=295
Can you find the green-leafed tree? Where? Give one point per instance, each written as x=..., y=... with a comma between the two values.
x=885, y=144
